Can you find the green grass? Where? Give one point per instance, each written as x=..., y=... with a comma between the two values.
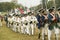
x=7, y=34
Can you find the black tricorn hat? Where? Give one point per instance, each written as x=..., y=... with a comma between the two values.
x=40, y=10
x=51, y=10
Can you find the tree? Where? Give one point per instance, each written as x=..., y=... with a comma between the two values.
x=50, y=4
x=57, y=3
x=6, y=6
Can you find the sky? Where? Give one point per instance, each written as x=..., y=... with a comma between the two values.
x=27, y=3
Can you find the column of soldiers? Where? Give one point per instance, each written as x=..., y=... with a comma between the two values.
x=47, y=22
x=23, y=24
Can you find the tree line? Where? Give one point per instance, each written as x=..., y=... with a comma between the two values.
x=6, y=6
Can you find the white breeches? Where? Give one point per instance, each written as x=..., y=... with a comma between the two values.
x=56, y=33
x=32, y=29
x=44, y=31
x=24, y=28
x=49, y=34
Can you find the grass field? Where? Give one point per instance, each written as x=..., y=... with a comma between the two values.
x=7, y=34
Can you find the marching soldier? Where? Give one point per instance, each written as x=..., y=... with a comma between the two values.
x=38, y=16
x=57, y=15
x=56, y=28
x=9, y=21
x=24, y=20
x=32, y=23
x=1, y=20
x=39, y=26
x=28, y=24
x=6, y=19
x=15, y=23
x=51, y=20
x=22, y=27
x=44, y=19
x=18, y=23
x=59, y=18
x=14, y=19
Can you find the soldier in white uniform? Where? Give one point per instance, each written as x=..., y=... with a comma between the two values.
x=28, y=24
x=32, y=20
x=0, y=21
x=35, y=21
x=14, y=23
x=24, y=21
x=14, y=19
x=10, y=21
x=22, y=29
x=18, y=23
